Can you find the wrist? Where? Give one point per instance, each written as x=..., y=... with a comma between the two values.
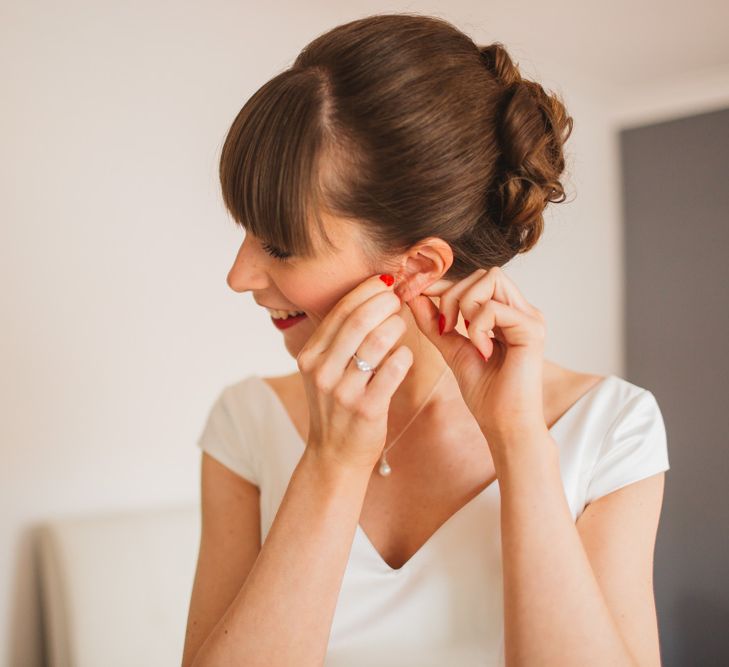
x=519, y=451
x=333, y=473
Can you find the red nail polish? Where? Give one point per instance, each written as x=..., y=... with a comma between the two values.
x=467, y=323
x=387, y=279
x=441, y=324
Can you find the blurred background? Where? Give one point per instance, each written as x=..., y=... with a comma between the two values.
x=118, y=329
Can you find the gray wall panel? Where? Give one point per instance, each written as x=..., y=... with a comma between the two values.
x=676, y=216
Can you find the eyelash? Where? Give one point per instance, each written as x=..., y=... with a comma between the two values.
x=283, y=256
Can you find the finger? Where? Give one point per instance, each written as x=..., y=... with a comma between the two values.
x=350, y=337
x=493, y=284
x=375, y=348
x=389, y=376
x=464, y=359
x=518, y=328
x=438, y=287
x=426, y=316
x=323, y=335
x=450, y=298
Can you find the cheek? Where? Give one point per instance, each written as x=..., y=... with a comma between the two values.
x=306, y=292
x=318, y=293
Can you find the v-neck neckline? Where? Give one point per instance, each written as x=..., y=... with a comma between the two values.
x=460, y=511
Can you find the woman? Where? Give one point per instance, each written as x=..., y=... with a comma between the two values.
x=383, y=181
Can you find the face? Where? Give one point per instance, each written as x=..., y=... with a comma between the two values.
x=312, y=285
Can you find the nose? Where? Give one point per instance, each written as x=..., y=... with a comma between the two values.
x=245, y=274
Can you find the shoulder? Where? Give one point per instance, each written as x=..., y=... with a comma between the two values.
x=240, y=403
x=563, y=387
x=614, y=409
x=249, y=393
x=241, y=391
x=292, y=396
x=283, y=383
x=633, y=442
x=231, y=432
x=561, y=381
x=617, y=409
x=289, y=388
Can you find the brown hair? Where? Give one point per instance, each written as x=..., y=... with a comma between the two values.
x=402, y=123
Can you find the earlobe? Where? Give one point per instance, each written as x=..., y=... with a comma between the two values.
x=423, y=266
x=408, y=287
x=404, y=291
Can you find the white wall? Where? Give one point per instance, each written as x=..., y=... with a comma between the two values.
x=118, y=328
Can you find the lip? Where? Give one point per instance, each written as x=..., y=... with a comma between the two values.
x=288, y=322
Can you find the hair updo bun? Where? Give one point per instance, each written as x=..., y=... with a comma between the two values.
x=403, y=125
x=532, y=129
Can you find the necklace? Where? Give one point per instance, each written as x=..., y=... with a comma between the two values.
x=385, y=468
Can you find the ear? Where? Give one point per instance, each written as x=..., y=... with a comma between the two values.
x=421, y=266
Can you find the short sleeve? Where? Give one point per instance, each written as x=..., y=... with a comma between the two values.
x=634, y=447
x=228, y=435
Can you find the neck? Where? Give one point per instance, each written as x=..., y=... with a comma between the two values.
x=428, y=365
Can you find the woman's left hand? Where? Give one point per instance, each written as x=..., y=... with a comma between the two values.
x=502, y=388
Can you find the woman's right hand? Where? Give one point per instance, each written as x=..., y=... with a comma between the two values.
x=348, y=408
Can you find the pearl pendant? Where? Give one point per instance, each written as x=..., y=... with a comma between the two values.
x=385, y=468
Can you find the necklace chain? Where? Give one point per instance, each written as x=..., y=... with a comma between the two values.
x=385, y=468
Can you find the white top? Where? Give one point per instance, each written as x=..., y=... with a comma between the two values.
x=444, y=606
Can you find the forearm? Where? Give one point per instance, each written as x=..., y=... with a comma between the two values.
x=554, y=610
x=283, y=613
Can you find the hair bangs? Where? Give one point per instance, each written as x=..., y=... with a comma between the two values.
x=269, y=163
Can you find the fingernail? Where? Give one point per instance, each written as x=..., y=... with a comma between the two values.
x=387, y=279
x=441, y=324
x=467, y=323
